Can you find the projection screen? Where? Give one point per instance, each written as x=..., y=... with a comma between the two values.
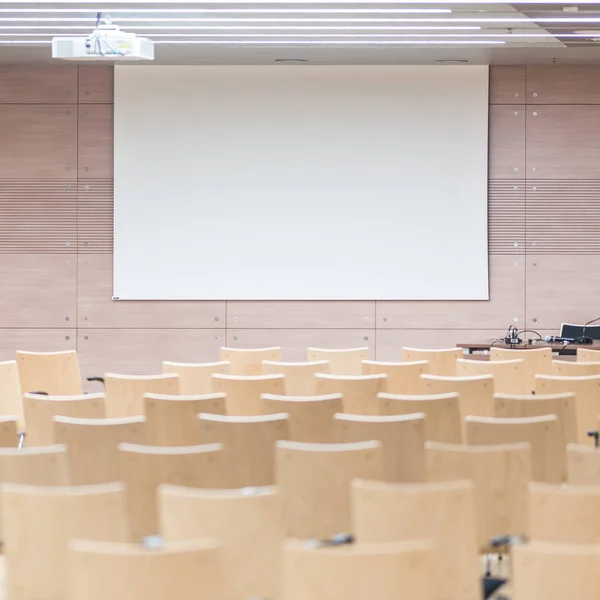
x=301, y=183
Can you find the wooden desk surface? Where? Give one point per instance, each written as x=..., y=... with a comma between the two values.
x=559, y=348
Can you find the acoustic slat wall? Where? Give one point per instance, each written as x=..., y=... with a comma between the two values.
x=56, y=234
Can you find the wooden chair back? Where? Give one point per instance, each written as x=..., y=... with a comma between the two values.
x=402, y=377
x=583, y=465
x=402, y=439
x=40, y=410
x=125, y=393
x=359, y=392
x=510, y=376
x=442, y=414
x=342, y=361
x=588, y=355
x=248, y=361
x=544, y=434
x=310, y=418
x=441, y=361
x=93, y=456
x=249, y=445
x=41, y=465
x=568, y=368
x=314, y=480
x=299, y=376
x=247, y=523
x=11, y=397
x=195, y=379
x=9, y=432
x=536, y=361
x=173, y=420
x=55, y=373
x=243, y=392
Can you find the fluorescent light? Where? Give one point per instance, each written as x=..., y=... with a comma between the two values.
x=327, y=42
x=83, y=30
x=231, y=10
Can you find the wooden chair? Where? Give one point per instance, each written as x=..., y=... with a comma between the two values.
x=310, y=418
x=583, y=465
x=443, y=513
x=500, y=475
x=125, y=393
x=402, y=377
x=11, y=397
x=536, y=361
x=144, y=468
x=564, y=513
x=39, y=522
x=185, y=571
x=249, y=445
x=93, y=456
x=588, y=355
x=314, y=480
x=243, y=392
x=515, y=406
x=299, y=376
x=544, y=434
x=342, y=361
x=359, y=392
x=402, y=439
x=195, y=379
x=55, y=373
x=510, y=376
x=568, y=368
x=545, y=571
x=42, y=465
x=173, y=420
x=9, y=432
x=587, y=399
x=442, y=414
x=475, y=394
x=247, y=523
x=380, y=571
x=441, y=362
x=248, y=361
x=39, y=411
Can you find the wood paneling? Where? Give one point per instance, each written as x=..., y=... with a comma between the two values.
x=38, y=340
x=506, y=216
x=96, y=83
x=295, y=342
x=98, y=310
x=563, y=217
x=570, y=84
x=300, y=315
x=95, y=216
x=38, y=290
x=563, y=142
x=38, y=85
x=562, y=289
x=141, y=351
x=507, y=293
x=96, y=140
x=507, y=85
x=38, y=216
x=39, y=141
x=507, y=142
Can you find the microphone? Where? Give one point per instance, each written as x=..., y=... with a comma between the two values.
x=556, y=339
x=585, y=339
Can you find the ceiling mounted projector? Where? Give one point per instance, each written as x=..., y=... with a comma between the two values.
x=106, y=43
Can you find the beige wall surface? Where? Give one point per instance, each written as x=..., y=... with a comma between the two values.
x=56, y=218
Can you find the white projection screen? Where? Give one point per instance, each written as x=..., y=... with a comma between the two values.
x=301, y=183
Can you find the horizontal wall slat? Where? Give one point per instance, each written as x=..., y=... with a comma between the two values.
x=506, y=216
x=95, y=216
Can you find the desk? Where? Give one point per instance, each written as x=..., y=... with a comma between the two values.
x=560, y=349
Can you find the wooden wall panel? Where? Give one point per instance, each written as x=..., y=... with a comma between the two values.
x=507, y=142
x=562, y=289
x=38, y=216
x=507, y=85
x=39, y=141
x=295, y=341
x=96, y=309
x=38, y=85
x=96, y=84
x=95, y=216
x=563, y=142
x=507, y=302
x=300, y=315
x=572, y=84
x=95, y=142
x=141, y=351
x=35, y=340
x=38, y=290
x=506, y=216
